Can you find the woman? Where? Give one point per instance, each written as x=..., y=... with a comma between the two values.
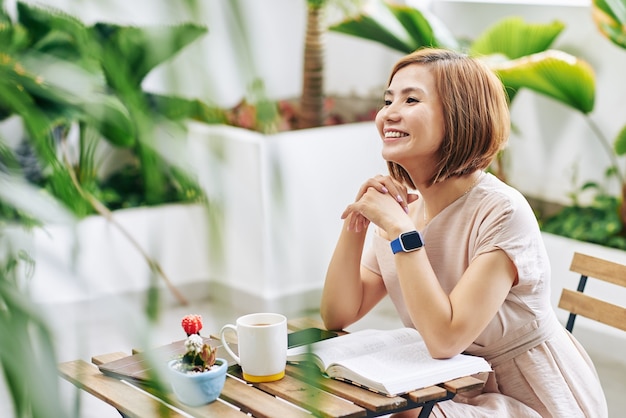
x=476, y=278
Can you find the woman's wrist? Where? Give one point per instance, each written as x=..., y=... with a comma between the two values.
x=395, y=231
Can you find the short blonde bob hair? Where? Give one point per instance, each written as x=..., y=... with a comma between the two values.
x=475, y=113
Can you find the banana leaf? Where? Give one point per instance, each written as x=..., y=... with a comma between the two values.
x=515, y=38
x=417, y=29
x=552, y=73
x=610, y=19
x=368, y=27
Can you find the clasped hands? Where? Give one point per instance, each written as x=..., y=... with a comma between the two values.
x=381, y=200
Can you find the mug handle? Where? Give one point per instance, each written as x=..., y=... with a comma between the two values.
x=225, y=343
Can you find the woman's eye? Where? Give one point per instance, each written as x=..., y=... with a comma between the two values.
x=387, y=102
x=412, y=100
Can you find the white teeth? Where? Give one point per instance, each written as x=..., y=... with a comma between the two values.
x=394, y=134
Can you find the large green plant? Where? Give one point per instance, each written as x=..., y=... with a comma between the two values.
x=610, y=19
x=57, y=73
x=603, y=220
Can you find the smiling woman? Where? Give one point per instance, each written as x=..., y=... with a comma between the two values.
x=473, y=277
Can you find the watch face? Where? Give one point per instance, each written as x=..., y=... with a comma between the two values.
x=411, y=240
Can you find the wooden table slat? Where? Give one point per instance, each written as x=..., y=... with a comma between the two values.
x=256, y=402
x=306, y=396
x=464, y=384
x=105, y=358
x=367, y=399
x=132, y=403
x=312, y=398
x=110, y=389
x=430, y=393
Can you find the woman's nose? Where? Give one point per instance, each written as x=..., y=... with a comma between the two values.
x=391, y=112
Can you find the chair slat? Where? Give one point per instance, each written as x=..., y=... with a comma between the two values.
x=599, y=269
x=580, y=304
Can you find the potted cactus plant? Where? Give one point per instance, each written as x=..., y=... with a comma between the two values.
x=197, y=377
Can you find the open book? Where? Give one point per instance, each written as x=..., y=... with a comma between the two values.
x=392, y=362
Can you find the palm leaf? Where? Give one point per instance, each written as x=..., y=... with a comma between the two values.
x=416, y=29
x=423, y=29
x=555, y=74
x=610, y=19
x=515, y=38
x=368, y=27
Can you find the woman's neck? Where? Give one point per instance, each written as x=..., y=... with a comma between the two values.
x=438, y=196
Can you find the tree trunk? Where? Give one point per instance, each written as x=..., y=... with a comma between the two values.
x=312, y=99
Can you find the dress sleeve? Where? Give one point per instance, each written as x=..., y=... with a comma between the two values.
x=369, y=259
x=509, y=224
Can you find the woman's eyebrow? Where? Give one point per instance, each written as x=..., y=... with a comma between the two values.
x=405, y=91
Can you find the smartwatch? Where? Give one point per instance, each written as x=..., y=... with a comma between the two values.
x=407, y=242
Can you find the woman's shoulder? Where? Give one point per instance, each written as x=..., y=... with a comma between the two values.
x=493, y=192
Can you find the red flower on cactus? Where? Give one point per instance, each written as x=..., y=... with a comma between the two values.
x=192, y=324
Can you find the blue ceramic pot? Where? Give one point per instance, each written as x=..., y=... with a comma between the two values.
x=198, y=388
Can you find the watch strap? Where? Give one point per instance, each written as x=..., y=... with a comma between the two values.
x=407, y=242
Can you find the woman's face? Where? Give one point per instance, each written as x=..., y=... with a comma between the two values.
x=411, y=121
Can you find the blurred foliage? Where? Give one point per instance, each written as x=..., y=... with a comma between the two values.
x=76, y=90
x=601, y=222
x=58, y=75
x=598, y=222
x=27, y=357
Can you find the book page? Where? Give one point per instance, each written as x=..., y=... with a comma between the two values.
x=403, y=368
x=355, y=344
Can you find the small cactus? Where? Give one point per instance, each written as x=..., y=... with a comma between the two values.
x=199, y=356
x=192, y=324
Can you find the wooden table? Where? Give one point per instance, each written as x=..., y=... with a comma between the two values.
x=301, y=393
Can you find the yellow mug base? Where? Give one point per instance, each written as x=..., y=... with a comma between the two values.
x=261, y=379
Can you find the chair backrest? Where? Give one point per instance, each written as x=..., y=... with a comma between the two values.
x=578, y=303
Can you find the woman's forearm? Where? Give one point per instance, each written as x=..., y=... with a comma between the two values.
x=343, y=289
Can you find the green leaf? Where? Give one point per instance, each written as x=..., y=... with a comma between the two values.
x=610, y=18
x=554, y=74
x=424, y=29
x=616, y=9
x=179, y=108
x=514, y=38
x=112, y=119
x=368, y=27
x=135, y=51
x=620, y=142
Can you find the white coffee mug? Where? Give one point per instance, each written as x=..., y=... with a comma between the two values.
x=262, y=342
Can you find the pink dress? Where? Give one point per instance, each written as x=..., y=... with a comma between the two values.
x=540, y=370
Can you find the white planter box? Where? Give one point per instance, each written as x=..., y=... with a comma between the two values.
x=279, y=199
x=265, y=240
x=95, y=260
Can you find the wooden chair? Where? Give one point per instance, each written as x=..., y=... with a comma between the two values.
x=578, y=303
